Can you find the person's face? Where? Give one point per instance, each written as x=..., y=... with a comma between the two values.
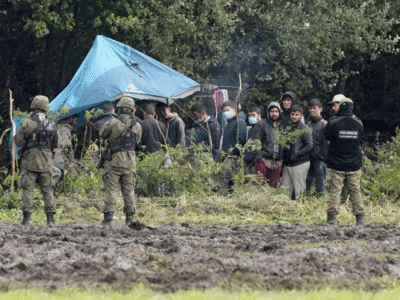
x=274, y=114
x=197, y=115
x=315, y=111
x=166, y=113
x=253, y=114
x=229, y=109
x=295, y=116
x=335, y=107
x=287, y=102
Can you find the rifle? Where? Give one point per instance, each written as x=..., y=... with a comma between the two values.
x=105, y=155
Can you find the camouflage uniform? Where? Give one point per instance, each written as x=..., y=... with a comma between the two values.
x=120, y=169
x=64, y=155
x=37, y=161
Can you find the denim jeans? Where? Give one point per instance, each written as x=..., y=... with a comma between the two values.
x=316, y=172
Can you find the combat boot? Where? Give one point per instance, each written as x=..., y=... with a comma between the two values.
x=360, y=218
x=108, y=218
x=331, y=218
x=50, y=219
x=128, y=219
x=27, y=218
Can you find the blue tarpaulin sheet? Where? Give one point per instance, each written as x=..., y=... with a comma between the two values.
x=112, y=70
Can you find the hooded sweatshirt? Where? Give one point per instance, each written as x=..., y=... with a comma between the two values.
x=285, y=113
x=265, y=131
x=344, y=134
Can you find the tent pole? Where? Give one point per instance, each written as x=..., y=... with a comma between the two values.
x=12, y=143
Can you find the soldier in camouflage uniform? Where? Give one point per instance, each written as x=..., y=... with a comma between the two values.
x=37, y=136
x=64, y=154
x=123, y=135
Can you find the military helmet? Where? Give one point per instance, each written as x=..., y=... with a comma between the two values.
x=40, y=102
x=126, y=102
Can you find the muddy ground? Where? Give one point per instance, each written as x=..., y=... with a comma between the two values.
x=173, y=257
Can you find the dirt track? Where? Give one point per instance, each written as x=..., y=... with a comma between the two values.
x=179, y=256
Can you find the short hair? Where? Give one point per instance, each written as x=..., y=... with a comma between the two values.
x=255, y=109
x=108, y=107
x=149, y=109
x=298, y=108
x=198, y=107
x=315, y=102
x=162, y=106
x=228, y=103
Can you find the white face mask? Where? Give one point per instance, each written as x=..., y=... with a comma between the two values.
x=253, y=120
x=228, y=114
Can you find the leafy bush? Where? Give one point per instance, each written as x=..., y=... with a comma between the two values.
x=84, y=177
x=381, y=171
x=176, y=171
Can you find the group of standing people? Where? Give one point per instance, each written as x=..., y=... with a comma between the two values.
x=317, y=144
x=325, y=152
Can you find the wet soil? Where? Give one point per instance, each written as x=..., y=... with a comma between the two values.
x=175, y=257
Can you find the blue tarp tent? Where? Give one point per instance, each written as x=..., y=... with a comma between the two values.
x=112, y=70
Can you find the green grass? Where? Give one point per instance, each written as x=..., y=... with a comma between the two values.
x=143, y=293
x=331, y=244
x=253, y=206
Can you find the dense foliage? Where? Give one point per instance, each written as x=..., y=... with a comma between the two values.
x=312, y=47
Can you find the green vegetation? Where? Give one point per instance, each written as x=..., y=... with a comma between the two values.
x=186, y=190
x=142, y=293
x=331, y=244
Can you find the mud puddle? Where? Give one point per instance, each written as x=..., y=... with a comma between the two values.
x=181, y=256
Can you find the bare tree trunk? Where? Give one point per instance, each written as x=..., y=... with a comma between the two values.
x=344, y=75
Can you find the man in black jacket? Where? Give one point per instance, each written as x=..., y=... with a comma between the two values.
x=268, y=160
x=296, y=159
x=154, y=132
x=317, y=169
x=206, y=130
x=175, y=126
x=344, y=163
x=287, y=102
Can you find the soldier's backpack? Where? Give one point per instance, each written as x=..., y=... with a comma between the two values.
x=127, y=140
x=42, y=139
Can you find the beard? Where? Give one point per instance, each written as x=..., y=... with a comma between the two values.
x=274, y=118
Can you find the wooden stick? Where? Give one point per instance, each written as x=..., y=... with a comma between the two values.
x=12, y=143
x=237, y=100
x=2, y=135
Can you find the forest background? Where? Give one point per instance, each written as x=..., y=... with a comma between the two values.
x=315, y=48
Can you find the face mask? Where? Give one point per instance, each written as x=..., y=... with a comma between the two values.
x=228, y=114
x=253, y=120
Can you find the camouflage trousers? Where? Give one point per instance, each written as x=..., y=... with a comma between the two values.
x=28, y=183
x=113, y=180
x=335, y=181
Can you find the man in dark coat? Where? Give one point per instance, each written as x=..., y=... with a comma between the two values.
x=154, y=132
x=344, y=162
x=205, y=130
x=233, y=133
x=296, y=159
x=175, y=126
x=317, y=169
x=287, y=102
x=268, y=160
